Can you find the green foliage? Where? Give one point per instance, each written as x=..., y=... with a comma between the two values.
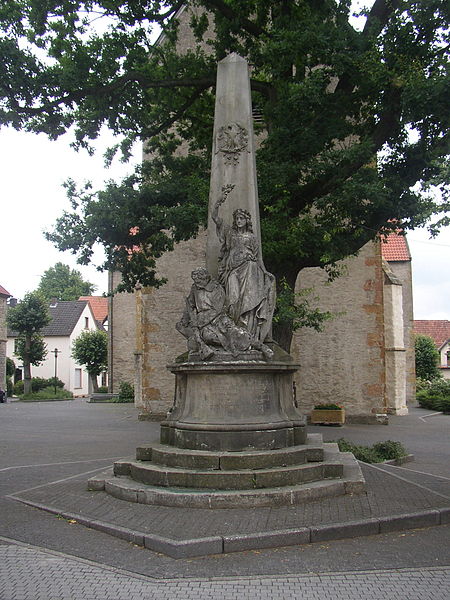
x=28, y=318
x=327, y=407
x=379, y=452
x=434, y=395
x=63, y=283
x=126, y=392
x=47, y=394
x=9, y=386
x=103, y=389
x=10, y=367
x=91, y=350
x=18, y=388
x=35, y=352
x=295, y=308
x=38, y=384
x=427, y=358
x=332, y=96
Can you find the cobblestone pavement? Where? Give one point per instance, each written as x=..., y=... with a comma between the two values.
x=29, y=573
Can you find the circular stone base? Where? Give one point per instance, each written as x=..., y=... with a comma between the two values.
x=229, y=440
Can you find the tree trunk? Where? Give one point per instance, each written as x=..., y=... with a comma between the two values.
x=94, y=383
x=27, y=366
x=283, y=329
x=282, y=334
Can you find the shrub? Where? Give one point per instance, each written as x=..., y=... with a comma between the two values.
x=126, y=392
x=327, y=407
x=389, y=450
x=103, y=389
x=47, y=393
x=377, y=453
x=434, y=395
x=18, y=388
x=37, y=384
x=53, y=380
x=9, y=387
x=10, y=367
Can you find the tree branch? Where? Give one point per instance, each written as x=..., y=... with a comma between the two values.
x=379, y=15
x=176, y=115
x=118, y=84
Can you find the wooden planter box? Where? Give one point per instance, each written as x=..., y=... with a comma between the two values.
x=328, y=416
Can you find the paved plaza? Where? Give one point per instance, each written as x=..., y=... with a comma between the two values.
x=48, y=450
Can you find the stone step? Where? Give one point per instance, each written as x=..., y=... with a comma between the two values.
x=124, y=488
x=170, y=456
x=248, y=479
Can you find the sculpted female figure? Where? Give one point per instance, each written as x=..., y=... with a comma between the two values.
x=249, y=288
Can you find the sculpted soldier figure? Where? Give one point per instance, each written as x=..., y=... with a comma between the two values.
x=204, y=322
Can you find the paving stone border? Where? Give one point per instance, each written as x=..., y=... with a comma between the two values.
x=219, y=544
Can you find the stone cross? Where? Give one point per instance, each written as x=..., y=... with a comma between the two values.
x=233, y=156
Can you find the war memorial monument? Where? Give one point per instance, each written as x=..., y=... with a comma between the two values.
x=235, y=436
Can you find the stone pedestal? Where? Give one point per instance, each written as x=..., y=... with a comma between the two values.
x=234, y=405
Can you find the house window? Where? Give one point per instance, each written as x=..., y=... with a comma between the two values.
x=78, y=378
x=86, y=322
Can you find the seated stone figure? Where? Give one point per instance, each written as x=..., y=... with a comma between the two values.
x=206, y=325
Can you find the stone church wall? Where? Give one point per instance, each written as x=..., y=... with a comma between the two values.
x=344, y=363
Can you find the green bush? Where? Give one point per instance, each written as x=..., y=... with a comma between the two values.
x=18, y=388
x=389, y=450
x=434, y=395
x=9, y=387
x=126, y=392
x=47, y=393
x=38, y=384
x=10, y=367
x=103, y=389
x=377, y=453
x=327, y=407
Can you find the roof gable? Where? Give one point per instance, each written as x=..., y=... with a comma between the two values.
x=99, y=306
x=437, y=330
x=65, y=316
x=3, y=292
x=395, y=248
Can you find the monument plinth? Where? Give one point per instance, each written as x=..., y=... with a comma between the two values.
x=234, y=436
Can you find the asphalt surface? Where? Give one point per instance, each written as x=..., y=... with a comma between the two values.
x=44, y=443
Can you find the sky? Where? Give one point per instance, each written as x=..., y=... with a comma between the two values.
x=32, y=198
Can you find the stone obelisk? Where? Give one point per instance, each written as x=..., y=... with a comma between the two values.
x=233, y=151
x=234, y=436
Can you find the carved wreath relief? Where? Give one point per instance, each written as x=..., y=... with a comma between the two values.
x=232, y=139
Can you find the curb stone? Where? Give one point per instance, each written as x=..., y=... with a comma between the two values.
x=189, y=548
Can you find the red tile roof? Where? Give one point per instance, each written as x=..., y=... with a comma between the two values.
x=3, y=292
x=439, y=331
x=99, y=306
x=395, y=247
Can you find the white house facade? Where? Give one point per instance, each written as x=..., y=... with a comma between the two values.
x=69, y=320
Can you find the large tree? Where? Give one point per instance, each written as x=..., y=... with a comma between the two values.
x=355, y=114
x=28, y=319
x=63, y=283
x=91, y=350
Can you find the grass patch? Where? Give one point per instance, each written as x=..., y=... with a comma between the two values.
x=377, y=453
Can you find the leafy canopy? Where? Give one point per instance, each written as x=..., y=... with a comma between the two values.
x=427, y=358
x=63, y=283
x=355, y=115
x=28, y=319
x=91, y=350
